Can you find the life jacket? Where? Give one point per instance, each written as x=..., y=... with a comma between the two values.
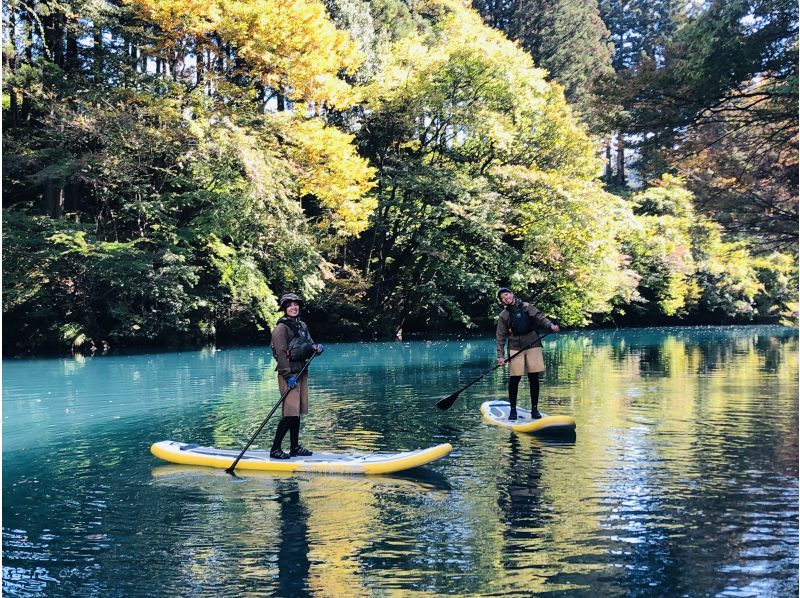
x=520, y=322
x=300, y=346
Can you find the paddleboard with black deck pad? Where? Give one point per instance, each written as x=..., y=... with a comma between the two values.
x=350, y=463
x=496, y=413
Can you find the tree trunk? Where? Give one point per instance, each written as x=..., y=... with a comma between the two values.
x=9, y=57
x=31, y=39
x=25, y=108
x=54, y=36
x=9, y=62
x=210, y=69
x=220, y=56
x=180, y=61
x=130, y=57
x=71, y=60
x=13, y=107
x=139, y=60
x=97, y=53
x=230, y=59
x=261, y=96
x=53, y=199
x=517, y=27
x=198, y=54
x=621, y=159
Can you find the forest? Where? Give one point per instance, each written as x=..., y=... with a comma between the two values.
x=171, y=167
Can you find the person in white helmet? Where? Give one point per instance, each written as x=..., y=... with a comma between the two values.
x=516, y=326
x=292, y=346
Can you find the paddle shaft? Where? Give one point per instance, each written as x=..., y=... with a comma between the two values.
x=266, y=419
x=448, y=402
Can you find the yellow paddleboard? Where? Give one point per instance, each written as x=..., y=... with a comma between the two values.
x=352, y=463
x=496, y=413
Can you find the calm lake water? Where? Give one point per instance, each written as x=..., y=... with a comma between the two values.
x=682, y=478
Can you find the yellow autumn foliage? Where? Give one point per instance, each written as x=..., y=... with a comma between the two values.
x=330, y=169
x=482, y=93
x=290, y=45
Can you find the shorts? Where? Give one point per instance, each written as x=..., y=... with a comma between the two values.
x=531, y=362
x=296, y=402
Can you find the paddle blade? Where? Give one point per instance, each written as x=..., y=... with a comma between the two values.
x=447, y=402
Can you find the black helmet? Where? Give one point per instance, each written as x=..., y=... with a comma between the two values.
x=287, y=298
x=504, y=290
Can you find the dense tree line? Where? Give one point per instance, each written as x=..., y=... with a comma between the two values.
x=707, y=91
x=170, y=167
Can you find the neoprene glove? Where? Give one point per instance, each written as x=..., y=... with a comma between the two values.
x=319, y=349
x=291, y=382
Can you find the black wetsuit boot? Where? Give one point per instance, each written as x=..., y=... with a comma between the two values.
x=533, y=380
x=294, y=436
x=513, y=389
x=283, y=427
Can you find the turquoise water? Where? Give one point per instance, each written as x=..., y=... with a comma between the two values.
x=682, y=477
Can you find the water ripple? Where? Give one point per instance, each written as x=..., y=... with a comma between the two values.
x=681, y=480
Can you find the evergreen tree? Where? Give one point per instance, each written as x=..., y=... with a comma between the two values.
x=566, y=37
x=640, y=31
x=716, y=100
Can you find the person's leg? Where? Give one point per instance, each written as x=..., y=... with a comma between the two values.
x=291, y=411
x=283, y=426
x=294, y=434
x=302, y=407
x=302, y=385
x=516, y=368
x=533, y=380
x=534, y=364
x=513, y=389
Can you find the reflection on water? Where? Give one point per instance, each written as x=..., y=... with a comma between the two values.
x=681, y=479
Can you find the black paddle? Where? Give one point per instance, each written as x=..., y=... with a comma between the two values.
x=447, y=402
x=264, y=423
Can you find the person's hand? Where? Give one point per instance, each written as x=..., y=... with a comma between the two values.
x=501, y=361
x=291, y=382
x=554, y=327
x=319, y=349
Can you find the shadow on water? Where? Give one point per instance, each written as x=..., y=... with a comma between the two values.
x=293, y=549
x=553, y=438
x=518, y=489
x=425, y=478
x=196, y=476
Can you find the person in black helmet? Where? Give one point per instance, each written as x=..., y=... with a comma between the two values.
x=292, y=346
x=516, y=326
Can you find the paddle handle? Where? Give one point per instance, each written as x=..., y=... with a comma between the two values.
x=448, y=401
x=481, y=377
x=266, y=419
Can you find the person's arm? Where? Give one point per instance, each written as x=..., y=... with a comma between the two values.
x=318, y=347
x=541, y=320
x=280, y=342
x=501, y=335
